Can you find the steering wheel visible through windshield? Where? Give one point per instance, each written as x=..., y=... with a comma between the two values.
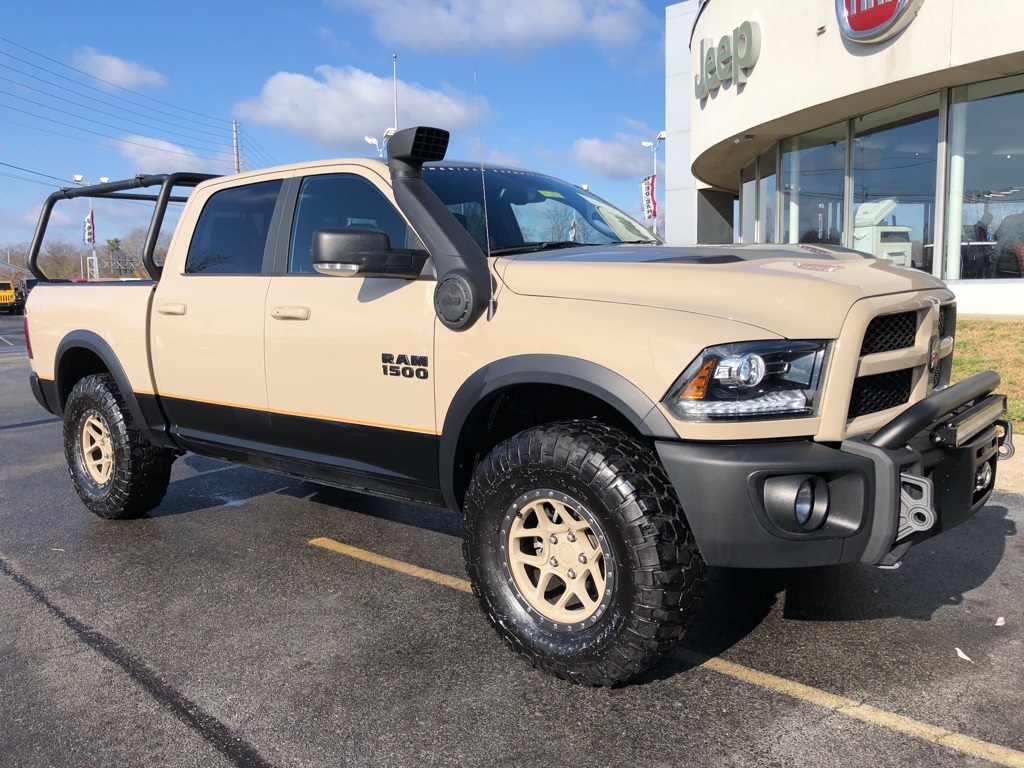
x=528, y=211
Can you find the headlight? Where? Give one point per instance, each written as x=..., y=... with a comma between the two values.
x=750, y=380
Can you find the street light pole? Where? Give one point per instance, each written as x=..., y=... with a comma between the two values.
x=653, y=146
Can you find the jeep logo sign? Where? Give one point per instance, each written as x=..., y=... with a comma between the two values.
x=731, y=60
x=872, y=21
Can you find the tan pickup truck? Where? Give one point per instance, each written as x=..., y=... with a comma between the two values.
x=608, y=414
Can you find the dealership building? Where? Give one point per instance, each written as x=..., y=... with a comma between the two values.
x=895, y=127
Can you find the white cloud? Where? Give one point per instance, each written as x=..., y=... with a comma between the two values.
x=486, y=24
x=619, y=159
x=115, y=71
x=500, y=157
x=149, y=155
x=340, y=106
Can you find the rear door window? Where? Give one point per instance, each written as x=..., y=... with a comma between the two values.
x=231, y=234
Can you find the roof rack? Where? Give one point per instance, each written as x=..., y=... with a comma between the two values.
x=119, y=190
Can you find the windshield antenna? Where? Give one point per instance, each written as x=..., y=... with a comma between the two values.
x=491, y=304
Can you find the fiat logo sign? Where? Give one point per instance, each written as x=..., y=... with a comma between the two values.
x=872, y=21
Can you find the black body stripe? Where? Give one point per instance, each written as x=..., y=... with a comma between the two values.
x=378, y=460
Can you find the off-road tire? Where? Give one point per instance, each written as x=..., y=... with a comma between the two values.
x=117, y=472
x=655, y=574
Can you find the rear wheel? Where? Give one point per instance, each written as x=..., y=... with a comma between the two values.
x=115, y=470
x=578, y=552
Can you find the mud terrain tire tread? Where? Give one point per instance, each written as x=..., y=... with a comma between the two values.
x=141, y=471
x=660, y=570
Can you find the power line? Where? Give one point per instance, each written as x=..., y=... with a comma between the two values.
x=30, y=181
x=102, y=112
x=262, y=151
x=37, y=173
x=89, y=119
x=98, y=100
x=100, y=79
x=106, y=144
x=114, y=138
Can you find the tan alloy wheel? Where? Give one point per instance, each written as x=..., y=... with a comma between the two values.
x=558, y=559
x=97, y=449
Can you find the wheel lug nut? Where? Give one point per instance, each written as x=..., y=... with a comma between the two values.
x=571, y=537
x=553, y=562
x=571, y=574
x=553, y=539
x=583, y=559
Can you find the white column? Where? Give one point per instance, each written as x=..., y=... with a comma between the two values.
x=955, y=202
x=680, y=185
x=793, y=205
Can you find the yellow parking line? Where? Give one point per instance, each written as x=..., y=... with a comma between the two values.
x=395, y=565
x=958, y=742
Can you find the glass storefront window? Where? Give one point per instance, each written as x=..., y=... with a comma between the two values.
x=894, y=162
x=766, y=189
x=985, y=216
x=748, y=205
x=813, y=177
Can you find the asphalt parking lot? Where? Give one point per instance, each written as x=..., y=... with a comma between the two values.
x=255, y=620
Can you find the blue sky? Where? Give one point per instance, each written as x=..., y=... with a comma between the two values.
x=566, y=87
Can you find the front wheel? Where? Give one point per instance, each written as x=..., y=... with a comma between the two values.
x=579, y=553
x=115, y=470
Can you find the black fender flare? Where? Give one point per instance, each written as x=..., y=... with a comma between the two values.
x=575, y=373
x=94, y=343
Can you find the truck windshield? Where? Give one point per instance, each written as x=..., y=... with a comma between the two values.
x=528, y=211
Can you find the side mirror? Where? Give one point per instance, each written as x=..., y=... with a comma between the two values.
x=363, y=252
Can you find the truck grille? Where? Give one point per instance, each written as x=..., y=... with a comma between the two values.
x=880, y=392
x=892, y=380
x=888, y=332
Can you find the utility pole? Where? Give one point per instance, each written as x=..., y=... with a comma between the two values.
x=234, y=135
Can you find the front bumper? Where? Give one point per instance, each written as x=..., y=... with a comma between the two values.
x=919, y=475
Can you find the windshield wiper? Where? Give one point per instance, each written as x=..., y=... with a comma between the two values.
x=634, y=242
x=549, y=245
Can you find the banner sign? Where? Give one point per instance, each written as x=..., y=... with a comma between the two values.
x=647, y=187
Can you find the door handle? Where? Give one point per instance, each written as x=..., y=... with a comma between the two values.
x=172, y=309
x=290, y=313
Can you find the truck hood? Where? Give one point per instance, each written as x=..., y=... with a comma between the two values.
x=787, y=290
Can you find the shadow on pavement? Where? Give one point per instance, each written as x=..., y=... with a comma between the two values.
x=934, y=574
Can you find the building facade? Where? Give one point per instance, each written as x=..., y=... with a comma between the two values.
x=895, y=127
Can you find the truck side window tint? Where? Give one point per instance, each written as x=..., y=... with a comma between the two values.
x=340, y=201
x=232, y=231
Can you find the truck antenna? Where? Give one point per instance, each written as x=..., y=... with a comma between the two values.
x=394, y=78
x=492, y=305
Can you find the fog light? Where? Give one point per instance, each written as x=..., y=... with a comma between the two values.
x=797, y=503
x=804, y=504
x=983, y=477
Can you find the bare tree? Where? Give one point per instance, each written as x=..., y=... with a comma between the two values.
x=134, y=243
x=587, y=234
x=61, y=259
x=560, y=218
x=16, y=255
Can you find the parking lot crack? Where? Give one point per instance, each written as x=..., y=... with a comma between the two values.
x=212, y=730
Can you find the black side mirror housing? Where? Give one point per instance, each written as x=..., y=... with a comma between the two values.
x=363, y=252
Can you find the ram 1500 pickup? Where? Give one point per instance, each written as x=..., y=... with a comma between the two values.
x=610, y=415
